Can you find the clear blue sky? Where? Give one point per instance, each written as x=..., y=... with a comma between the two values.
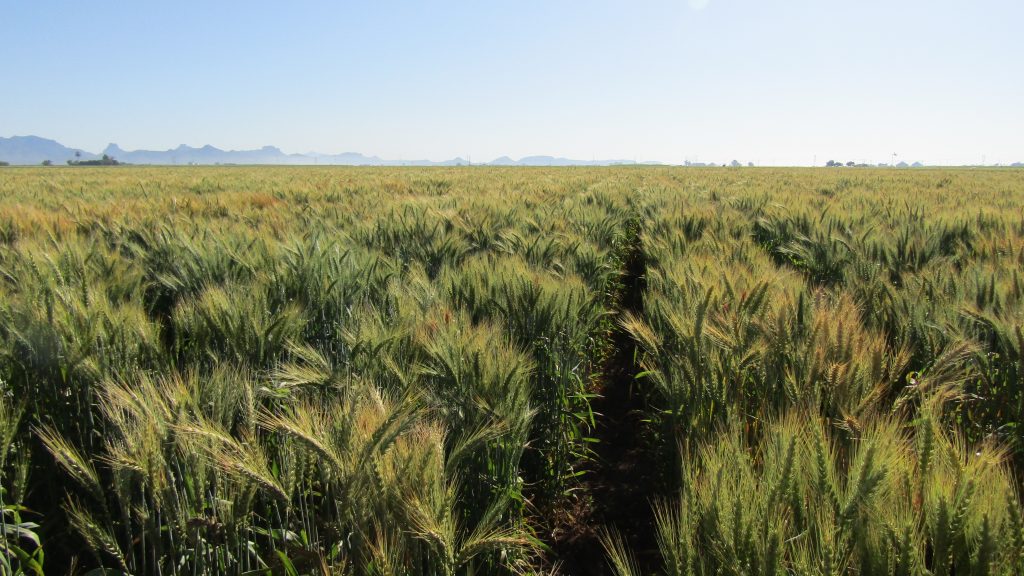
x=768, y=81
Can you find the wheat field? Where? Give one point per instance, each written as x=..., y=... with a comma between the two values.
x=440, y=371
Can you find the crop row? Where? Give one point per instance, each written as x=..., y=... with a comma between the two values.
x=837, y=372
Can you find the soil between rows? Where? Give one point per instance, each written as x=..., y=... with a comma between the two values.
x=617, y=491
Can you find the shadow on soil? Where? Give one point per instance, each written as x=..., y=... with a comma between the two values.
x=623, y=478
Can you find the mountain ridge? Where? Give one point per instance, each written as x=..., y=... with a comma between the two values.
x=35, y=149
x=27, y=150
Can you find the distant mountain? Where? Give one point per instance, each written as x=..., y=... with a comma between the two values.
x=35, y=150
x=206, y=155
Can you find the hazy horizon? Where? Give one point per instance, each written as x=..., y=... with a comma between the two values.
x=770, y=82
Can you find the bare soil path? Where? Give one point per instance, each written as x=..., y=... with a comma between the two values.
x=623, y=478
